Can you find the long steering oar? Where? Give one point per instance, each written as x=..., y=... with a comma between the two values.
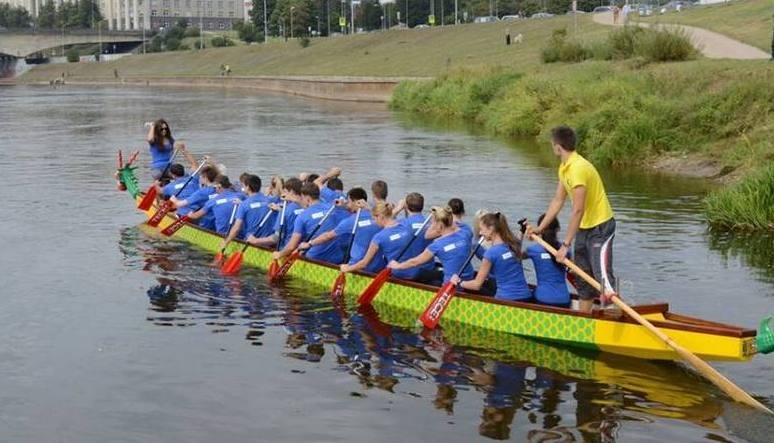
x=150, y=194
x=274, y=266
x=297, y=253
x=218, y=261
x=372, y=290
x=703, y=367
x=232, y=265
x=166, y=206
x=432, y=314
x=341, y=280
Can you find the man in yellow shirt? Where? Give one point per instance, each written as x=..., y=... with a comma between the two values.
x=592, y=225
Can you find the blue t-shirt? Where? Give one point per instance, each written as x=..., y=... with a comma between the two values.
x=292, y=211
x=251, y=212
x=391, y=241
x=452, y=250
x=161, y=155
x=551, y=285
x=464, y=227
x=366, y=229
x=508, y=272
x=222, y=206
x=307, y=222
x=328, y=195
x=411, y=224
x=197, y=200
x=172, y=188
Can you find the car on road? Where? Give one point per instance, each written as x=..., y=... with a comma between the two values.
x=599, y=9
x=541, y=15
x=508, y=18
x=485, y=19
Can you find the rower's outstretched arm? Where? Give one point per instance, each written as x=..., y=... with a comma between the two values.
x=476, y=283
x=232, y=233
x=422, y=258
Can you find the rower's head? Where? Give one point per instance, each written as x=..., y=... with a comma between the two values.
x=457, y=208
x=242, y=178
x=335, y=184
x=563, y=138
x=477, y=221
x=495, y=225
x=177, y=170
x=310, y=178
x=379, y=190
x=442, y=217
x=252, y=184
x=415, y=203
x=310, y=194
x=383, y=213
x=550, y=233
x=277, y=185
x=356, y=198
x=222, y=183
x=208, y=174
x=292, y=189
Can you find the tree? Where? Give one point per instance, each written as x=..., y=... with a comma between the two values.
x=248, y=32
x=256, y=15
x=47, y=15
x=14, y=16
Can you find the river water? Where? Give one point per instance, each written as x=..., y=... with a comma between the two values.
x=109, y=334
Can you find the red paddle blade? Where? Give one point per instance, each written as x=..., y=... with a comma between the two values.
x=148, y=199
x=218, y=260
x=435, y=309
x=273, y=270
x=338, y=286
x=286, y=266
x=174, y=227
x=232, y=265
x=159, y=215
x=372, y=290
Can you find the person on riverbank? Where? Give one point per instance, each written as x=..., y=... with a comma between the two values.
x=772, y=38
x=551, y=276
x=451, y=247
x=161, y=145
x=591, y=225
x=502, y=261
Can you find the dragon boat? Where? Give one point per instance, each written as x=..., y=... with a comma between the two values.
x=601, y=330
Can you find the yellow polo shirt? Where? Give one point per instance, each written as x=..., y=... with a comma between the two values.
x=577, y=171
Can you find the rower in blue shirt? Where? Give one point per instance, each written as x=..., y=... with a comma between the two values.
x=502, y=261
x=366, y=229
x=251, y=213
x=292, y=196
x=551, y=276
x=414, y=204
x=198, y=198
x=222, y=206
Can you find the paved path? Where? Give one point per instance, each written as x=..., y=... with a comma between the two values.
x=711, y=44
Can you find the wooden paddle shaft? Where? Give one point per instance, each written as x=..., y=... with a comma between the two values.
x=703, y=367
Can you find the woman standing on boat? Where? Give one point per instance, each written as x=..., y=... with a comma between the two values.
x=551, y=285
x=502, y=260
x=161, y=144
x=451, y=246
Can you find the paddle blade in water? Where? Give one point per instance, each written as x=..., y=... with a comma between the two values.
x=435, y=309
x=338, y=286
x=286, y=266
x=174, y=227
x=232, y=265
x=218, y=260
x=273, y=270
x=159, y=215
x=372, y=290
x=147, y=199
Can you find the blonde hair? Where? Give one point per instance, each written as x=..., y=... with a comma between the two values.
x=442, y=215
x=383, y=209
x=477, y=221
x=276, y=185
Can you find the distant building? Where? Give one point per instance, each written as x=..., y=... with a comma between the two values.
x=154, y=14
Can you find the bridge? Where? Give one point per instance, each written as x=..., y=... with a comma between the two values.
x=23, y=44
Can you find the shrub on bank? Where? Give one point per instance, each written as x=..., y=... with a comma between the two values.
x=746, y=205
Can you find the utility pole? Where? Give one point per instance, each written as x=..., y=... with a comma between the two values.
x=265, y=25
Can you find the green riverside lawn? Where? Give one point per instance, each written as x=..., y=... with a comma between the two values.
x=748, y=21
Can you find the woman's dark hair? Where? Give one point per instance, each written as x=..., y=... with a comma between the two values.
x=223, y=181
x=159, y=135
x=335, y=184
x=293, y=184
x=210, y=173
x=311, y=178
x=379, y=189
x=177, y=170
x=415, y=202
x=550, y=234
x=499, y=223
x=310, y=190
x=457, y=207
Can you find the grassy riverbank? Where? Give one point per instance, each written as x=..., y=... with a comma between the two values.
x=395, y=53
x=748, y=21
x=717, y=115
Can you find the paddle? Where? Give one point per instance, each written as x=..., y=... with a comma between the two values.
x=703, y=367
x=274, y=266
x=218, y=261
x=232, y=265
x=150, y=194
x=166, y=206
x=341, y=280
x=297, y=252
x=372, y=290
x=432, y=314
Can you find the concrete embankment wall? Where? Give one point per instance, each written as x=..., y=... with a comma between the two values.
x=357, y=89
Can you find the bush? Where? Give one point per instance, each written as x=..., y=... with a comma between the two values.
x=623, y=40
x=748, y=204
x=172, y=44
x=560, y=49
x=199, y=45
x=665, y=45
x=191, y=32
x=72, y=55
x=220, y=41
x=304, y=41
x=248, y=32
